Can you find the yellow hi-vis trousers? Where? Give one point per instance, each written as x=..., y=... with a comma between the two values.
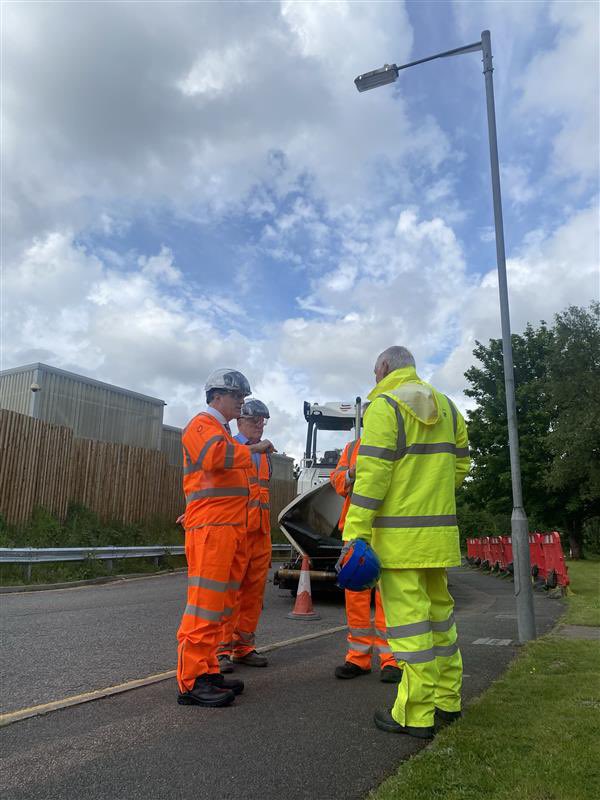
x=421, y=632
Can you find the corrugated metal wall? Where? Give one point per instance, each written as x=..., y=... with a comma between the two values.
x=15, y=390
x=93, y=410
x=170, y=445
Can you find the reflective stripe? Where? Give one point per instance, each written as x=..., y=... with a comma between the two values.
x=401, y=440
x=244, y=637
x=365, y=502
x=359, y=647
x=215, y=525
x=411, y=629
x=252, y=480
x=415, y=522
x=351, y=450
x=381, y=634
x=186, y=454
x=197, y=465
x=462, y=452
x=208, y=583
x=265, y=506
x=227, y=612
x=383, y=648
x=203, y=613
x=234, y=585
x=360, y=631
x=377, y=452
x=454, y=414
x=264, y=482
x=229, y=455
x=254, y=504
x=445, y=650
x=444, y=625
x=340, y=469
x=225, y=491
x=428, y=448
x=415, y=656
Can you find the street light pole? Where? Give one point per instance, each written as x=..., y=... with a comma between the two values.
x=519, y=526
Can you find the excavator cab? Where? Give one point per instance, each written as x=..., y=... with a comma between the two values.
x=310, y=521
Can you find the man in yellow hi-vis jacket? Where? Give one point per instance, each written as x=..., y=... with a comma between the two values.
x=414, y=452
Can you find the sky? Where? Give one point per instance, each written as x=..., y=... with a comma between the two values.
x=187, y=186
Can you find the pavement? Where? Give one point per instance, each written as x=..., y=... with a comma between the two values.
x=296, y=731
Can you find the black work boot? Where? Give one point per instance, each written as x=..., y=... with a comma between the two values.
x=252, y=659
x=349, y=670
x=225, y=664
x=206, y=693
x=390, y=674
x=385, y=721
x=447, y=716
x=233, y=684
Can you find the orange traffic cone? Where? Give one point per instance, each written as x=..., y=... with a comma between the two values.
x=303, y=608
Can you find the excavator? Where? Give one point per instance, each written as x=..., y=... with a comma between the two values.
x=310, y=521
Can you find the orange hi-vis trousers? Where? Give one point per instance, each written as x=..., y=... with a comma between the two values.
x=366, y=636
x=238, y=631
x=216, y=556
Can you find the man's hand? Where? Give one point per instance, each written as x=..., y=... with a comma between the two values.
x=179, y=520
x=264, y=446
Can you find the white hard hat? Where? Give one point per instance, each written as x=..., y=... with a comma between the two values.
x=228, y=379
x=255, y=408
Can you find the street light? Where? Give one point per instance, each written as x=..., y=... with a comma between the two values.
x=519, y=526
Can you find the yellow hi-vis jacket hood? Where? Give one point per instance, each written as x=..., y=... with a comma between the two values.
x=414, y=452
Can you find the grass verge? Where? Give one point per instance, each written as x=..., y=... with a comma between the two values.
x=533, y=735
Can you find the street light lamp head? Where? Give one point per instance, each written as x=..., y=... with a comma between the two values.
x=378, y=77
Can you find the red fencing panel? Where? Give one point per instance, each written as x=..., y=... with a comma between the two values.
x=486, y=553
x=557, y=573
x=495, y=553
x=472, y=550
x=507, y=556
x=536, y=556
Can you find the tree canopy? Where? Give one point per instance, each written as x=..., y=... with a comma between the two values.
x=557, y=389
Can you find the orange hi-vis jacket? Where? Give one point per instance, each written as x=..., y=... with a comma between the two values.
x=338, y=477
x=215, y=475
x=259, y=509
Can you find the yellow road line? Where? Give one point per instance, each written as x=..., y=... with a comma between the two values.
x=99, y=694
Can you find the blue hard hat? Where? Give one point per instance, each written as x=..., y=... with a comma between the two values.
x=361, y=566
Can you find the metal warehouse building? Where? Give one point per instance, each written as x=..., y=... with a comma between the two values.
x=92, y=409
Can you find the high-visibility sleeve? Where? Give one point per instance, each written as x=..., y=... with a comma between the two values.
x=338, y=477
x=463, y=460
x=376, y=456
x=207, y=450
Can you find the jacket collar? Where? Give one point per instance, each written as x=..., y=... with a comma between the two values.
x=392, y=380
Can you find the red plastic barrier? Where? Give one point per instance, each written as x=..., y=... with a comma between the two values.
x=473, y=551
x=557, y=573
x=536, y=556
x=507, y=554
x=486, y=552
x=495, y=553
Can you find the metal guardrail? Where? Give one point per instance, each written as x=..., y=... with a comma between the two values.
x=35, y=555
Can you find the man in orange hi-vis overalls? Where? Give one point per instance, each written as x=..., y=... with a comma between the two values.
x=363, y=640
x=215, y=484
x=238, y=634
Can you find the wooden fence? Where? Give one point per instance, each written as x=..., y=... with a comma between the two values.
x=42, y=464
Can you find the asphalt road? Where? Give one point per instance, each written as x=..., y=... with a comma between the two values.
x=296, y=731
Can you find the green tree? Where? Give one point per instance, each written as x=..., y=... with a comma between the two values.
x=557, y=391
x=573, y=440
